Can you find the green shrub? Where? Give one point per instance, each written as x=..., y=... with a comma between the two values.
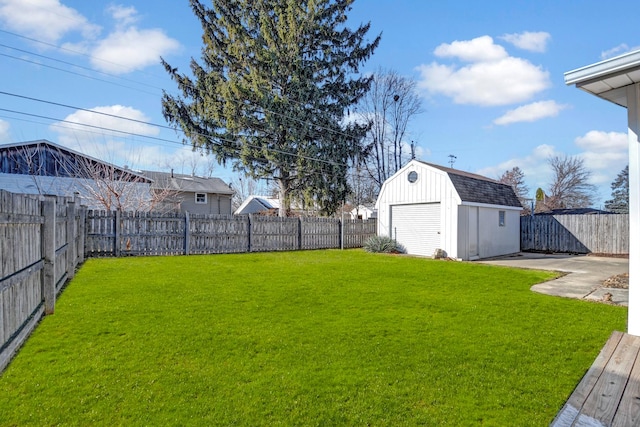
x=382, y=244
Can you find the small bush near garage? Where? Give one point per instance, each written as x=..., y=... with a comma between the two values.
x=382, y=244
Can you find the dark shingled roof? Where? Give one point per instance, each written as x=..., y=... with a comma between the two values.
x=191, y=183
x=480, y=189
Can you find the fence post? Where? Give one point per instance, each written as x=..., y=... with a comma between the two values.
x=249, y=232
x=49, y=254
x=71, y=239
x=187, y=233
x=82, y=234
x=341, y=231
x=116, y=233
x=299, y=233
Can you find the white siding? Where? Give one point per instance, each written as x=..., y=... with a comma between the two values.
x=468, y=231
x=417, y=227
x=432, y=186
x=496, y=240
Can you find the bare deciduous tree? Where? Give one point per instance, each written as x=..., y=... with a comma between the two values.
x=55, y=170
x=515, y=178
x=570, y=187
x=389, y=106
x=114, y=188
x=364, y=189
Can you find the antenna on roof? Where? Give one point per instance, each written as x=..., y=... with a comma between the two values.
x=452, y=160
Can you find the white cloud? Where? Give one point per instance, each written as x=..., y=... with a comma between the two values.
x=618, y=50
x=125, y=49
x=621, y=48
x=605, y=154
x=108, y=137
x=531, y=41
x=4, y=131
x=128, y=48
x=132, y=49
x=112, y=121
x=531, y=112
x=124, y=16
x=534, y=166
x=493, y=78
x=600, y=141
x=479, y=49
x=44, y=20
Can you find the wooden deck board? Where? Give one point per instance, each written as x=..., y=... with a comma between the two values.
x=629, y=410
x=609, y=393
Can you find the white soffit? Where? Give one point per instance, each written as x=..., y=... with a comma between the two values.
x=607, y=79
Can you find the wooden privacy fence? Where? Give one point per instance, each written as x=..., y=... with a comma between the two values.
x=605, y=233
x=41, y=243
x=143, y=233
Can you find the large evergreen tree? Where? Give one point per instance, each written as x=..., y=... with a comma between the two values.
x=619, y=202
x=270, y=94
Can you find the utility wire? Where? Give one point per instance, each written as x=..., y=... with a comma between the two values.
x=76, y=66
x=75, y=52
x=167, y=140
x=74, y=73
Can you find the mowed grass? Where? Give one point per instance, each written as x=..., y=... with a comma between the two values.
x=307, y=338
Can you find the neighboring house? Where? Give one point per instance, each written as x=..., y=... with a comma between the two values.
x=429, y=208
x=363, y=212
x=43, y=167
x=258, y=204
x=264, y=205
x=193, y=194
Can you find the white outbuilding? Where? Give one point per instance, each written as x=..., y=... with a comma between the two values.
x=431, y=209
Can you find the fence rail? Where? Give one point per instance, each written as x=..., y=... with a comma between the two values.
x=118, y=234
x=606, y=234
x=41, y=244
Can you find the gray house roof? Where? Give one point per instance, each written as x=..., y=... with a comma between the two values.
x=254, y=204
x=187, y=183
x=45, y=158
x=480, y=189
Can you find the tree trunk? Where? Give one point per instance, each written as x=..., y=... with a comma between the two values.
x=283, y=197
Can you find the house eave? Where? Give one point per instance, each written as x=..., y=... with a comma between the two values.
x=607, y=79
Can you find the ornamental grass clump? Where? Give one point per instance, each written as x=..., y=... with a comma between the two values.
x=382, y=244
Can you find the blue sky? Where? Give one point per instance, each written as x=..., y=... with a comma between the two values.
x=490, y=74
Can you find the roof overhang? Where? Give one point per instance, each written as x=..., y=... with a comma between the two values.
x=608, y=79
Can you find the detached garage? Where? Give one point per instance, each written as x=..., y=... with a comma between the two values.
x=427, y=208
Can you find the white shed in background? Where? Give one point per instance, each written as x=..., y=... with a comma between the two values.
x=427, y=207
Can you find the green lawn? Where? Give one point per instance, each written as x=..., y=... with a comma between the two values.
x=307, y=338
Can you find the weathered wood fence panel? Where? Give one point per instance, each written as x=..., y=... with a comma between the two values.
x=320, y=233
x=115, y=234
x=273, y=234
x=607, y=233
x=215, y=234
x=356, y=232
x=40, y=247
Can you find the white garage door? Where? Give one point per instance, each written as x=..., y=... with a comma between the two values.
x=417, y=227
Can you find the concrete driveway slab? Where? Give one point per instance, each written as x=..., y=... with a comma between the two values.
x=583, y=278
